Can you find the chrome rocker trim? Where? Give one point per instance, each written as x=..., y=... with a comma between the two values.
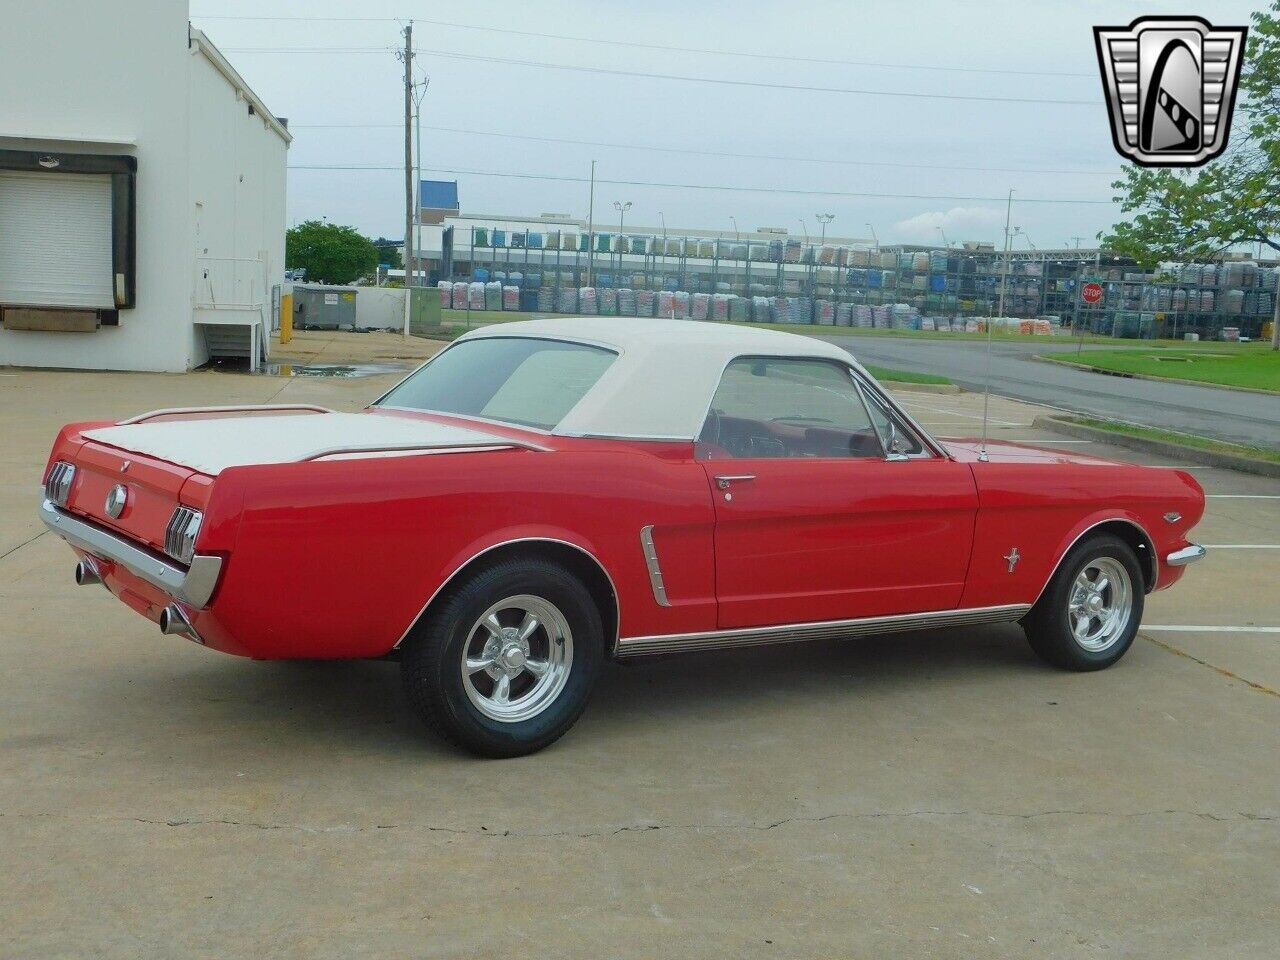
x=651, y=564
x=193, y=586
x=823, y=630
x=1188, y=554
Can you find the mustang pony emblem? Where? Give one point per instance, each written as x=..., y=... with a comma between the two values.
x=1012, y=558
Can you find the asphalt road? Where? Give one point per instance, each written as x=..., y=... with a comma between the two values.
x=1241, y=417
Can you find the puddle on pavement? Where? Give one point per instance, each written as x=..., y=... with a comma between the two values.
x=340, y=371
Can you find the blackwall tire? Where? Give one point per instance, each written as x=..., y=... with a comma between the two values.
x=504, y=663
x=1092, y=608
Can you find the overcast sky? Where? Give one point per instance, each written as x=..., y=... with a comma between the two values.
x=1041, y=50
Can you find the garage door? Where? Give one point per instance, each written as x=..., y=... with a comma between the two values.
x=55, y=240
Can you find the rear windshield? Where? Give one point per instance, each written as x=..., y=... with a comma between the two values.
x=517, y=380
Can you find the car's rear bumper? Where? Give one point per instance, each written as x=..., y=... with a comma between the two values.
x=1188, y=554
x=193, y=586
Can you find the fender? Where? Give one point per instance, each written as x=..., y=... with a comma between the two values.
x=522, y=534
x=1092, y=522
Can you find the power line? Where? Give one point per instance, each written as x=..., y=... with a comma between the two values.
x=700, y=153
x=666, y=48
x=721, y=81
x=688, y=186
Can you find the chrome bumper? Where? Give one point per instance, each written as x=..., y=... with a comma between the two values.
x=1188, y=554
x=193, y=586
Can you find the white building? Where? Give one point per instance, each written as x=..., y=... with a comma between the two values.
x=142, y=191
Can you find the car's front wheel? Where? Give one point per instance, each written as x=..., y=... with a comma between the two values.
x=504, y=662
x=1089, y=613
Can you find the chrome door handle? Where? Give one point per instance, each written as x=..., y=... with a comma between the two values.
x=723, y=480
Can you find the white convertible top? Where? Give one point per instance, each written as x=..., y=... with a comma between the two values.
x=666, y=373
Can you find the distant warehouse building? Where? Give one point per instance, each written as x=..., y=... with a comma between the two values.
x=556, y=263
x=142, y=191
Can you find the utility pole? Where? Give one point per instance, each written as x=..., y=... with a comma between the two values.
x=874, y=238
x=409, y=216
x=1077, y=240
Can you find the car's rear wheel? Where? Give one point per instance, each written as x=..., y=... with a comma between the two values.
x=503, y=663
x=1090, y=612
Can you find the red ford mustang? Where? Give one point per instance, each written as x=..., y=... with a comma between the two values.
x=541, y=496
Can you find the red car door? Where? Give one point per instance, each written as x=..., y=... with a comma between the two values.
x=814, y=521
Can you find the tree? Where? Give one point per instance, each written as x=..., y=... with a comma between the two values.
x=389, y=253
x=1198, y=214
x=329, y=252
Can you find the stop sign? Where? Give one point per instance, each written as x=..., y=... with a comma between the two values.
x=1091, y=292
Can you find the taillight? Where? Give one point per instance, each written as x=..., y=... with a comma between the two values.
x=180, y=535
x=58, y=487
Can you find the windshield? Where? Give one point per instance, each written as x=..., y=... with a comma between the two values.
x=530, y=383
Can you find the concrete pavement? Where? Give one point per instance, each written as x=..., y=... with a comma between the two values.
x=938, y=795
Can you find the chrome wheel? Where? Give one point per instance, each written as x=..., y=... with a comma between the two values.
x=517, y=658
x=1101, y=604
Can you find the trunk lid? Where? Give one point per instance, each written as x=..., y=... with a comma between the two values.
x=212, y=444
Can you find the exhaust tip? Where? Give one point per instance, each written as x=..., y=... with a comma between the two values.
x=87, y=573
x=174, y=622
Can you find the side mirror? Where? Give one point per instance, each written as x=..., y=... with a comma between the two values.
x=898, y=446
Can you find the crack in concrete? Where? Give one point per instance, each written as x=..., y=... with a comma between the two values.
x=24, y=543
x=484, y=831
x=1178, y=651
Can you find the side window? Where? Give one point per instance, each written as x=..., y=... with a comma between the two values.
x=895, y=436
x=774, y=407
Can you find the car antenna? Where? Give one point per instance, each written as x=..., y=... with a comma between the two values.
x=1004, y=283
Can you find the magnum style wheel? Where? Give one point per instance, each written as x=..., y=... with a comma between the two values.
x=503, y=664
x=1090, y=612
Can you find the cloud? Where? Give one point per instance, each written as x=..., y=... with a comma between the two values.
x=959, y=223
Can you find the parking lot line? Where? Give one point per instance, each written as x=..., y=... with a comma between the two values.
x=957, y=413
x=1242, y=496
x=1241, y=546
x=1194, y=628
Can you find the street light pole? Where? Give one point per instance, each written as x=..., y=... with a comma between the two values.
x=874, y=239
x=737, y=234
x=824, y=219
x=591, y=223
x=622, y=209
x=1008, y=239
x=417, y=207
